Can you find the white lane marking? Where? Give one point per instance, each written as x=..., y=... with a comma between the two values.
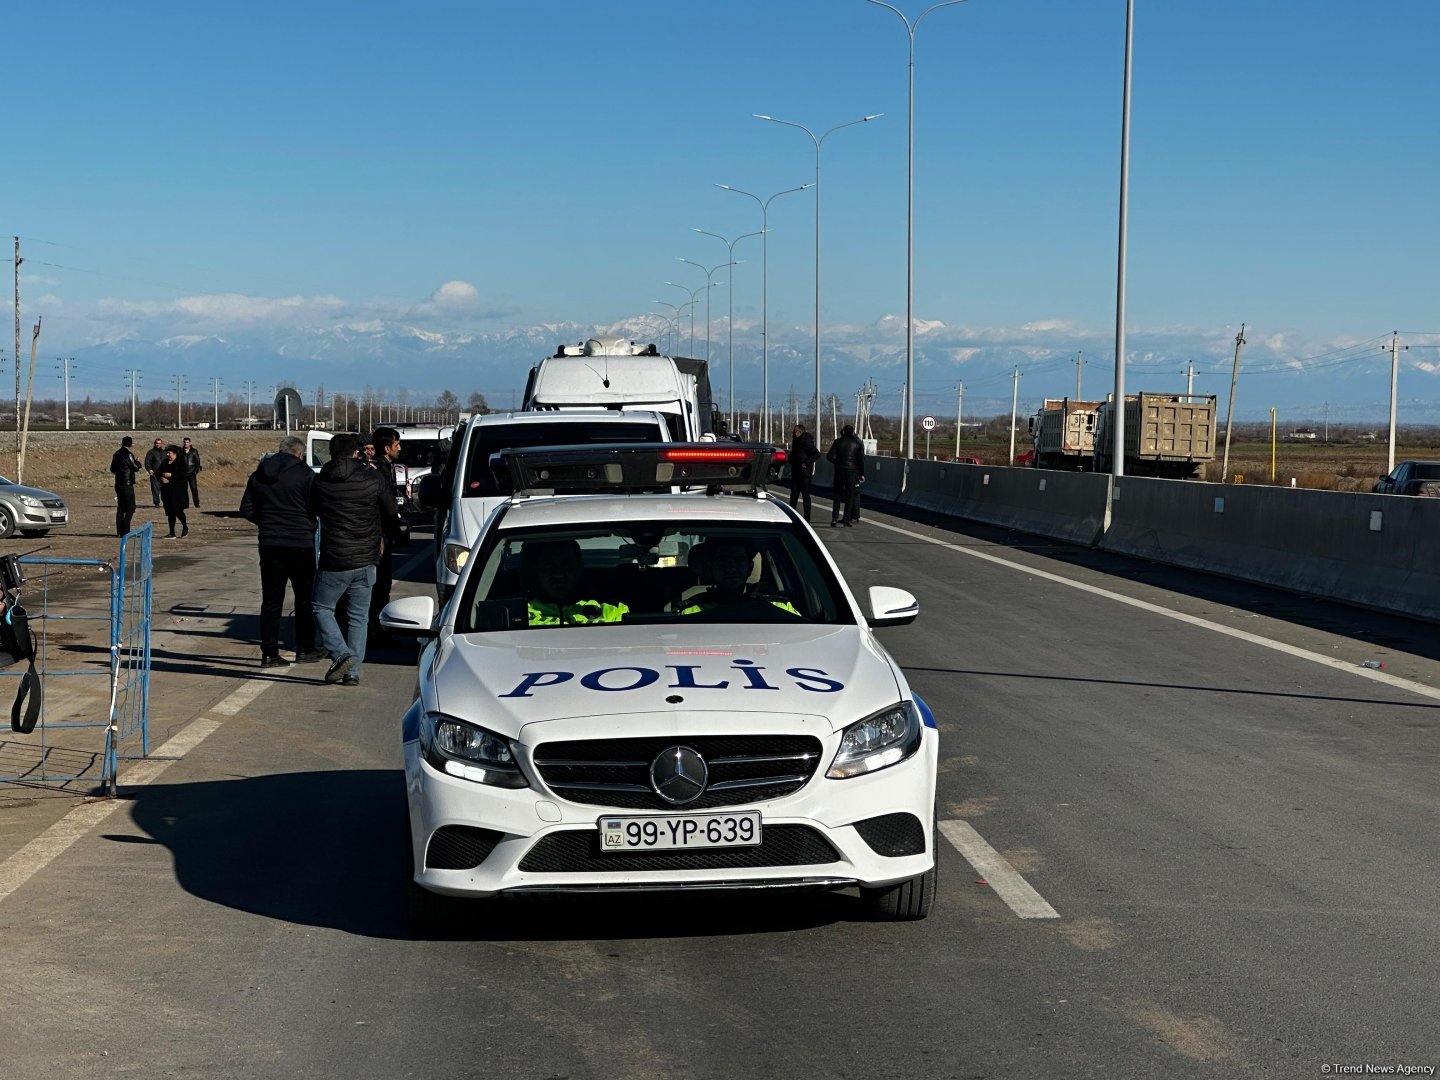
x=1180, y=616
x=997, y=872
x=56, y=840
x=237, y=699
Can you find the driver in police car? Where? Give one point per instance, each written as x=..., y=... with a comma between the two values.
x=557, y=567
x=728, y=563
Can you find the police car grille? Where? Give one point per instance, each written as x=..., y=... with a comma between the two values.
x=460, y=847
x=616, y=772
x=578, y=852
x=893, y=835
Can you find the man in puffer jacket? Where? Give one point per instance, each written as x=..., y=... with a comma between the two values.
x=355, y=514
x=277, y=500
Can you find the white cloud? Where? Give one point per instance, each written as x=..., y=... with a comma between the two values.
x=455, y=294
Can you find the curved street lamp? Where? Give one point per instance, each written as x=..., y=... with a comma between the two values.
x=909, y=418
x=730, y=322
x=708, y=286
x=694, y=295
x=818, y=141
x=670, y=351
x=764, y=295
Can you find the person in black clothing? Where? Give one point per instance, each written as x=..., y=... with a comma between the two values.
x=192, y=470
x=172, y=490
x=803, y=455
x=847, y=454
x=355, y=513
x=124, y=464
x=154, y=458
x=277, y=500
x=387, y=452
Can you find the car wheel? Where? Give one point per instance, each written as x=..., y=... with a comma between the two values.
x=7, y=523
x=906, y=901
x=33, y=533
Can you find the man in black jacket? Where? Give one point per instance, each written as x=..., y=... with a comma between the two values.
x=387, y=454
x=354, y=513
x=847, y=454
x=803, y=455
x=192, y=470
x=277, y=500
x=124, y=464
x=154, y=458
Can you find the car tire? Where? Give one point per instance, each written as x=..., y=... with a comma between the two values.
x=7, y=523
x=34, y=533
x=905, y=901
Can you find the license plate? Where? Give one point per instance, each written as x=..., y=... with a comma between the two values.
x=678, y=831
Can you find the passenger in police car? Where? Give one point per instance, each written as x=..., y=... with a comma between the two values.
x=725, y=565
x=556, y=568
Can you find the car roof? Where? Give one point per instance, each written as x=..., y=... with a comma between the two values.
x=567, y=416
x=553, y=510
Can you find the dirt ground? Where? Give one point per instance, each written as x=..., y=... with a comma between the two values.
x=76, y=466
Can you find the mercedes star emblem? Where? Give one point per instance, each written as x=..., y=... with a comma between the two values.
x=678, y=775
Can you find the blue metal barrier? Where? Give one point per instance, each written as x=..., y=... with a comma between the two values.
x=56, y=753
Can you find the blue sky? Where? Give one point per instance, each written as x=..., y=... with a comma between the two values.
x=194, y=171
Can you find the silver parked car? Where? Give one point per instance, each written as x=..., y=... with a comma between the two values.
x=28, y=510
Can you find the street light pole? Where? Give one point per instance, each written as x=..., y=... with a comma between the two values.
x=730, y=322
x=694, y=295
x=1116, y=433
x=676, y=332
x=909, y=417
x=708, y=287
x=215, y=386
x=764, y=295
x=818, y=141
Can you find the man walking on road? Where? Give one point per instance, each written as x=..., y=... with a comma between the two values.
x=803, y=455
x=847, y=454
x=192, y=467
x=277, y=500
x=354, y=513
x=154, y=458
x=387, y=453
x=124, y=464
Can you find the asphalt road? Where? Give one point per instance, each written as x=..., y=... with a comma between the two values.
x=1240, y=844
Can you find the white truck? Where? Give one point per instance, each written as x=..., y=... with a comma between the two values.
x=617, y=374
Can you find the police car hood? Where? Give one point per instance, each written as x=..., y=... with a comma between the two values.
x=507, y=680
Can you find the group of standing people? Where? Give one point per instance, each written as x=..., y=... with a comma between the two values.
x=174, y=473
x=847, y=454
x=351, y=504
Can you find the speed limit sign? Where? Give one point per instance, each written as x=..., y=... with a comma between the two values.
x=928, y=423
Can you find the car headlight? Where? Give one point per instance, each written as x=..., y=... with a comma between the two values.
x=469, y=752
x=877, y=742
x=456, y=556
x=30, y=500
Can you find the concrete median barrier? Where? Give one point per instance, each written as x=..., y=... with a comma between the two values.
x=1067, y=506
x=1378, y=551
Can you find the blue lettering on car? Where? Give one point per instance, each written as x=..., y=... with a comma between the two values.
x=814, y=680
x=533, y=679
x=645, y=676
x=803, y=675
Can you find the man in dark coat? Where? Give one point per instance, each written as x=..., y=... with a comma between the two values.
x=847, y=454
x=803, y=455
x=124, y=464
x=277, y=500
x=154, y=458
x=387, y=454
x=192, y=470
x=354, y=513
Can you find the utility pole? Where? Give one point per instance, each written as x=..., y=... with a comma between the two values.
x=1189, y=380
x=959, y=411
x=179, y=413
x=1395, y=349
x=1230, y=415
x=1079, y=363
x=249, y=402
x=65, y=379
x=1014, y=410
x=215, y=387
x=1327, y=421
x=18, y=261
x=134, y=374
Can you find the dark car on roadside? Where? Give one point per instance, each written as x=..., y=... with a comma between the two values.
x=1412, y=478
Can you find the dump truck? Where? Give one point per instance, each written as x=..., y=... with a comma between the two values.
x=1170, y=436
x=1063, y=432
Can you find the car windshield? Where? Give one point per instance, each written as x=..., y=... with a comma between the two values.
x=422, y=453
x=643, y=572
x=480, y=481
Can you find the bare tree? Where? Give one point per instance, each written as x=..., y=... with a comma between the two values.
x=478, y=404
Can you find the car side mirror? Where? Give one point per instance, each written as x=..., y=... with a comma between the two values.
x=412, y=615
x=891, y=607
x=431, y=492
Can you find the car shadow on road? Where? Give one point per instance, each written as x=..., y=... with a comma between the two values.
x=328, y=849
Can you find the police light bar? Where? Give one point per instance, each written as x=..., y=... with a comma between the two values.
x=634, y=467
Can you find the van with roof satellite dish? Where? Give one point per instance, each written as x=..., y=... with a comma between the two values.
x=618, y=374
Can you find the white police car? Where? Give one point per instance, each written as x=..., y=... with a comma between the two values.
x=660, y=691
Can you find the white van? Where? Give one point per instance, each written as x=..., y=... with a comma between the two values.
x=614, y=373
x=467, y=492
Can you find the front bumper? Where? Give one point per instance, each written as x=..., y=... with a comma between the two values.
x=530, y=840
